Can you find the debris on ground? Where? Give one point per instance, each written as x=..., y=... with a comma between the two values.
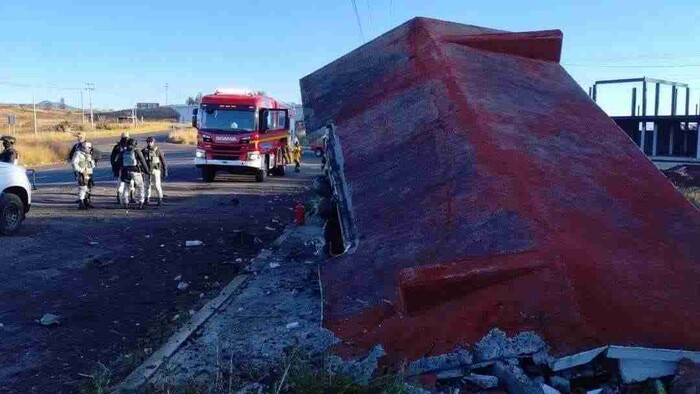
x=193, y=243
x=183, y=286
x=49, y=319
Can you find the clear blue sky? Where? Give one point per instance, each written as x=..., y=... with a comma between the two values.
x=131, y=48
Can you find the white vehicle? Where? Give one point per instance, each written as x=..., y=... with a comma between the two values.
x=15, y=197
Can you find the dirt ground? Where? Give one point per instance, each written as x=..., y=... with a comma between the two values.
x=112, y=276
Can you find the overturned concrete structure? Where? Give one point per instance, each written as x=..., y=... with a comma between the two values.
x=480, y=187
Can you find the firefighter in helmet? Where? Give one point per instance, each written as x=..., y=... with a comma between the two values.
x=296, y=155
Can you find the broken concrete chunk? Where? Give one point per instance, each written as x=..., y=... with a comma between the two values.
x=274, y=265
x=292, y=325
x=360, y=371
x=515, y=380
x=193, y=243
x=450, y=374
x=49, y=319
x=496, y=345
x=482, y=381
x=183, y=285
x=560, y=383
x=549, y=389
x=445, y=361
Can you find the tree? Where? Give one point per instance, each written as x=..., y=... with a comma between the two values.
x=194, y=101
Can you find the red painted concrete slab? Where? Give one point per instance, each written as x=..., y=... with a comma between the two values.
x=488, y=191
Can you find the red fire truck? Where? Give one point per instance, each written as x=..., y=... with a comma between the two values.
x=241, y=133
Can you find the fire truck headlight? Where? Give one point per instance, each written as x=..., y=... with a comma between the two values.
x=253, y=156
x=199, y=154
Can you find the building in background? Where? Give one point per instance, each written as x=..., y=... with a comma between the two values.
x=667, y=139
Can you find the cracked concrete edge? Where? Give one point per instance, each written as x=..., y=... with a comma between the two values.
x=144, y=372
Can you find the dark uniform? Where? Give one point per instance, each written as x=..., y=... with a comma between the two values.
x=132, y=166
x=9, y=154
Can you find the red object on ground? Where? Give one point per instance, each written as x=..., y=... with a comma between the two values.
x=299, y=214
x=488, y=190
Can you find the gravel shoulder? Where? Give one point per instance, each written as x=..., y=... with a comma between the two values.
x=112, y=276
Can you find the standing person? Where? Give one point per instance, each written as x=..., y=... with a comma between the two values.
x=296, y=156
x=83, y=165
x=115, y=160
x=9, y=154
x=156, y=168
x=95, y=155
x=132, y=165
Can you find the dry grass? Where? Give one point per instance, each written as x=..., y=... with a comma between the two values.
x=692, y=194
x=53, y=147
x=187, y=136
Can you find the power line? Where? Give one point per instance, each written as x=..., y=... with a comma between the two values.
x=357, y=17
x=631, y=66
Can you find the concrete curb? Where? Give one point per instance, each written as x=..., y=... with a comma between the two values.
x=144, y=372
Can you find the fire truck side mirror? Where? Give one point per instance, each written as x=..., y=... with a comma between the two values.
x=194, y=117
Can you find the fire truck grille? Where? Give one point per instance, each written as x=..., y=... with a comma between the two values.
x=226, y=152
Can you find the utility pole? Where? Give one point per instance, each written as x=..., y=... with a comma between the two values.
x=82, y=107
x=34, y=106
x=166, y=94
x=90, y=87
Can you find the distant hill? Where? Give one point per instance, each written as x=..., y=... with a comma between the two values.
x=47, y=104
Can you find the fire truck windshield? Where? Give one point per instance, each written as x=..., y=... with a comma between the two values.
x=228, y=120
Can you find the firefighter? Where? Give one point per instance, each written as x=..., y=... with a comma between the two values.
x=132, y=165
x=9, y=154
x=156, y=168
x=296, y=156
x=83, y=165
x=115, y=160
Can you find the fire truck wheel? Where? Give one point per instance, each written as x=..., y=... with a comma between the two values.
x=260, y=176
x=208, y=174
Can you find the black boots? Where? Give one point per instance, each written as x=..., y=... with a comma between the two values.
x=160, y=202
x=81, y=205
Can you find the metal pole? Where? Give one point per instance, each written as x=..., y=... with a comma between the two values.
x=644, y=98
x=656, y=99
x=34, y=106
x=595, y=92
x=674, y=99
x=634, y=101
x=166, y=94
x=90, y=87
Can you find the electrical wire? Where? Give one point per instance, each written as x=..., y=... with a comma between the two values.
x=359, y=22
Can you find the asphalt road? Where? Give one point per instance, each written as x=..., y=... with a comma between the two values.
x=112, y=275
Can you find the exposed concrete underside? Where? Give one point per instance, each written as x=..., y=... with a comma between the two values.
x=488, y=190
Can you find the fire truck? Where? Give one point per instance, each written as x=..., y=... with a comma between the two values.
x=241, y=133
